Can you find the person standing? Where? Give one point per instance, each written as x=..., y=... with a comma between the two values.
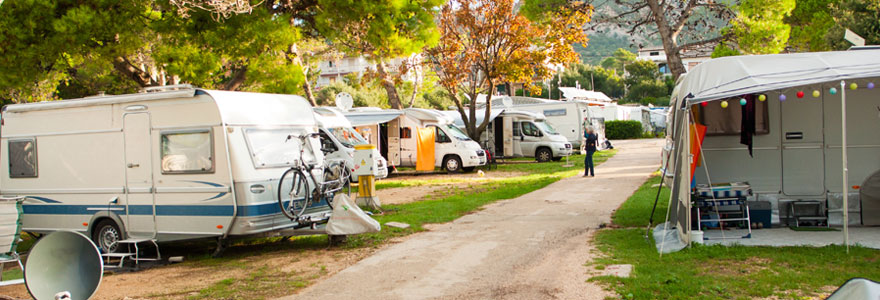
x=590, y=145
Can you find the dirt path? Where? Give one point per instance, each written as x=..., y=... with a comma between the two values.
x=531, y=247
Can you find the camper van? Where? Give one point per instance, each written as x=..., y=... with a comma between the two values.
x=338, y=139
x=395, y=133
x=568, y=117
x=166, y=164
x=517, y=133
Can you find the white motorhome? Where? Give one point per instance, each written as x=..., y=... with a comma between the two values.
x=517, y=133
x=799, y=152
x=568, y=117
x=395, y=134
x=338, y=139
x=163, y=165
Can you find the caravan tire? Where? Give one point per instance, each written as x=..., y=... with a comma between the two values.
x=543, y=155
x=452, y=164
x=106, y=234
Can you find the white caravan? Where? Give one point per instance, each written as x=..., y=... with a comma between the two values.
x=396, y=134
x=517, y=133
x=798, y=146
x=164, y=165
x=338, y=139
x=567, y=117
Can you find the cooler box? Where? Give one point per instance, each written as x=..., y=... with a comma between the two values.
x=724, y=190
x=759, y=212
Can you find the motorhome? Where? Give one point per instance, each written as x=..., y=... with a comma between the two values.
x=395, y=133
x=517, y=133
x=166, y=164
x=338, y=139
x=814, y=151
x=568, y=117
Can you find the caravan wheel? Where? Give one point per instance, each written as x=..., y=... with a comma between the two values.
x=543, y=155
x=452, y=164
x=105, y=235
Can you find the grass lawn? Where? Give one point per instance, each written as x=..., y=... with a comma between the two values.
x=265, y=282
x=719, y=272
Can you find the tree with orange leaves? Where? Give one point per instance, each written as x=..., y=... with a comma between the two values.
x=486, y=42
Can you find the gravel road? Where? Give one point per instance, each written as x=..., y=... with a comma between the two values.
x=531, y=247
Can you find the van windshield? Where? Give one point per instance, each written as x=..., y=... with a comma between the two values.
x=271, y=148
x=347, y=136
x=457, y=133
x=546, y=127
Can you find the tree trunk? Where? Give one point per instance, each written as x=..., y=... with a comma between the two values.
x=307, y=88
x=123, y=66
x=238, y=78
x=670, y=45
x=415, y=91
x=486, y=113
x=393, y=97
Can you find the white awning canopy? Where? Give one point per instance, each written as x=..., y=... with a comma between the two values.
x=581, y=94
x=733, y=76
x=456, y=117
x=372, y=117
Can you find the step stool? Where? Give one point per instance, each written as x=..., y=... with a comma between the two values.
x=134, y=256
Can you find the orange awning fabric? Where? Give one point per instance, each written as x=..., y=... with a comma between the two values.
x=698, y=133
x=425, y=149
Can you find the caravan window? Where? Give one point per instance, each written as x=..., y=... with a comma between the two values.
x=529, y=129
x=23, y=158
x=555, y=112
x=728, y=121
x=440, y=136
x=187, y=152
x=271, y=147
x=405, y=132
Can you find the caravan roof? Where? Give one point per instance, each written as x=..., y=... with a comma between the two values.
x=371, y=117
x=759, y=73
x=236, y=108
x=455, y=116
x=330, y=117
x=427, y=115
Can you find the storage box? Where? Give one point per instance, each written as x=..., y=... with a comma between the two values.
x=761, y=212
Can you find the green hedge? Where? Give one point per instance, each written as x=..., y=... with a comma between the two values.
x=621, y=130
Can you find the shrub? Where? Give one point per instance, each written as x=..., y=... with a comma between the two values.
x=619, y=130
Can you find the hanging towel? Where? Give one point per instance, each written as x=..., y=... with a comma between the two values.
x=747, y=131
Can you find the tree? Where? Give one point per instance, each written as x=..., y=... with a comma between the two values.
x=860, y=16
x=484, y=43
x=379, y=30
x=681, y=25
x=596, y=78
x=759, y=26
x=810, y=21
x=619, y=60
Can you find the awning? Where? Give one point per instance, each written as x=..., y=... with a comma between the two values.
x=733, y=76
x=456, y=117
x=576, y=93
x=371, y=118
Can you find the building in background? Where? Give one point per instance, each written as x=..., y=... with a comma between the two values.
x=690, y=58
x=336, y=69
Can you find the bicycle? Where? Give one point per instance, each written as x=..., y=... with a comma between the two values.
x=335, y=176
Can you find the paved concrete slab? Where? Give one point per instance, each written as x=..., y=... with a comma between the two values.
x=779, y=237
x=531, y=247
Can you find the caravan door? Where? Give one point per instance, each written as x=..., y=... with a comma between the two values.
x=140, y=205
x=393, y=132
x=803, y=159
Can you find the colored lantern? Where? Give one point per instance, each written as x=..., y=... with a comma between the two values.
x=853, y=86
x=703, y=104
x=724, y=104
x=800, y=94
x=762, y=97
x=782, y=97
x=870, y=85
x=816, y=94
x=832, y=91
x=742, y=101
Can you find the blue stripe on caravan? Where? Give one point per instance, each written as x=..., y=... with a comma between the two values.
x=161, y=210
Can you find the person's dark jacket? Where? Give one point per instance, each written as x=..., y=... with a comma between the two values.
x=592, y=141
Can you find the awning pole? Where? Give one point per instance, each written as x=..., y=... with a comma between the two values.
x=845, y=165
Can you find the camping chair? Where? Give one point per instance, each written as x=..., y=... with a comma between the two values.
x=10, y=233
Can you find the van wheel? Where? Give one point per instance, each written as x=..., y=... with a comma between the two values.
x=543, y=155
x=452, y=164
x=106, y=235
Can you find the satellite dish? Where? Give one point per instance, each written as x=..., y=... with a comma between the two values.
x=344, y=101
x=63, y=263
x=507, y=102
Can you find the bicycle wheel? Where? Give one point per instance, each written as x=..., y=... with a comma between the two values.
x=291, y=187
